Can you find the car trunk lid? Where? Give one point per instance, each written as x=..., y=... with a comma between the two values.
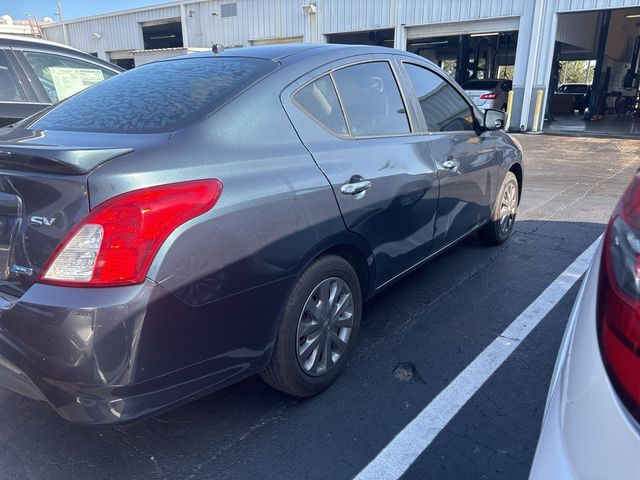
x=43, y=195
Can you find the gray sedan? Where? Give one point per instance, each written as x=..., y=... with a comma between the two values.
x=195, y=221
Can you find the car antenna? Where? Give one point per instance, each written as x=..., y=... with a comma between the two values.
x=217, y=48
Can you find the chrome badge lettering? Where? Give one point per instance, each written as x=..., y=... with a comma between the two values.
x=42, y=221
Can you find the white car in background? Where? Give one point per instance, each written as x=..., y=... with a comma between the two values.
x=591, y=424
x=488, y=93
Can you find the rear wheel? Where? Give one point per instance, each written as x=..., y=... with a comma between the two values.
x=503, y=216
x=318, y=329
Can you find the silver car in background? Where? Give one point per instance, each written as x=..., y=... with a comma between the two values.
x=590, y=428
x=489, y=93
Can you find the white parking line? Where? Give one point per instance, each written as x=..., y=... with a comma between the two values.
x=407, y=446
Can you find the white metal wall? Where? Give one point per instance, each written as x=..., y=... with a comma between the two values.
x=256, y=19
x=117, y=32
x=420, y=12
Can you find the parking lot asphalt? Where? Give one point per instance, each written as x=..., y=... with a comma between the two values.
x=416, y=337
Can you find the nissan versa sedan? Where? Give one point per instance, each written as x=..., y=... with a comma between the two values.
x=591, y=426
x=195, y=221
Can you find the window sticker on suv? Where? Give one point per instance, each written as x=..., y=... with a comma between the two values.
x=68, y=81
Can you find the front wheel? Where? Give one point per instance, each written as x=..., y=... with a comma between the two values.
x=503, y=216
x=318, y=329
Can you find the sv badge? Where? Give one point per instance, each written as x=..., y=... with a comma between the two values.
x=38, y=221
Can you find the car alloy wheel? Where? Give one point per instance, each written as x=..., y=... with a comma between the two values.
x=508, y=207
x=324, y=326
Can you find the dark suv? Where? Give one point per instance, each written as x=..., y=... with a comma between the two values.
x=36, y=73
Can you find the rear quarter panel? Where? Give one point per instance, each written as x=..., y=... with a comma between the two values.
x=229, y=271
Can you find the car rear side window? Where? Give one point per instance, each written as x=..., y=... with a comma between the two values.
x=444, y=109
x=320, y=101
x=9, y=89
x=158, y=97
x=371, y=99
x=63, y=76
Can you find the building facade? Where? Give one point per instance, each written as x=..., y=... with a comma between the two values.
x=523, y=34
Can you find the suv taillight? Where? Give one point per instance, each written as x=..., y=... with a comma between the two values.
x=116, y=242
x=618, y=305
x=488, y=96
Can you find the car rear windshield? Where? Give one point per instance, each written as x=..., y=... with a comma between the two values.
x=158, y=97
x=480, y=85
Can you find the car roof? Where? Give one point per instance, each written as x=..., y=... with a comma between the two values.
x=291, y=53
x=17, y=40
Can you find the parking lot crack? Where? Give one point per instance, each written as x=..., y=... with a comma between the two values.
x=138, y=451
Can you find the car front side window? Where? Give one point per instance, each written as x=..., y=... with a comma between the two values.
x=62, y=76
x=444, y=109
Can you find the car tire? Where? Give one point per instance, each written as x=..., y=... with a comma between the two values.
x=503, y=215
x=305, y=321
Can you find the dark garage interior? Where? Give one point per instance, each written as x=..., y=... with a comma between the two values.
x=606, y=102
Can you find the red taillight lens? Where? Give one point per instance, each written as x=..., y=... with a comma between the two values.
x=619, y=299
x=116, y=242
x=488, y=96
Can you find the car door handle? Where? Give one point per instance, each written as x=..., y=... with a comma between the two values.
x=355, y=188
x=451, y=164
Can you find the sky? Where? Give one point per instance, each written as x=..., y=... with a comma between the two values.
x=18, y=9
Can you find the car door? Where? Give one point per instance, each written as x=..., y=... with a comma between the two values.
x=353, y=118
x=17, y=99
x=466, y=160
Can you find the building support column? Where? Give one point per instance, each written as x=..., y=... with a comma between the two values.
x=598, y=85
x=462, y=59
x=183, y=24
x=535, y=45
x=397, y=20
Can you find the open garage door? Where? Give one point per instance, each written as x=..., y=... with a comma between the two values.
x=506, y=24
x=595, y=75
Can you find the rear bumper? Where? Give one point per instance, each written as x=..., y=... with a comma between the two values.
x=116, y=355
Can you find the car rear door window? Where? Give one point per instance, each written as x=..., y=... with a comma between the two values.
x=158, y=97
x=320, y=101
x=10, y=90
x=371, y=99
x=63, y=76
x=444, y=109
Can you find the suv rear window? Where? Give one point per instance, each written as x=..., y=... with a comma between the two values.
x=158, y=97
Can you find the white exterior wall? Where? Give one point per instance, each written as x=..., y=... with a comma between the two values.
x=418, y=12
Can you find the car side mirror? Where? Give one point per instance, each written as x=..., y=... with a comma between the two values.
x=493, y=119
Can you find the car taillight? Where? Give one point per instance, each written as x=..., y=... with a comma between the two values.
x=116, y=242
x=488, y=96
x=618, y=309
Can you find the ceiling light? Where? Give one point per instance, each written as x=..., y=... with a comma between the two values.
x=635, y=15
x=485, y=34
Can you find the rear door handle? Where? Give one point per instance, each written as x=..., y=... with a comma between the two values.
x=355, y=188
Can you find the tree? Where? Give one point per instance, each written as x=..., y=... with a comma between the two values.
x=576, y=71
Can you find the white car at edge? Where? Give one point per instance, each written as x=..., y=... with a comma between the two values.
x=591, y=426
